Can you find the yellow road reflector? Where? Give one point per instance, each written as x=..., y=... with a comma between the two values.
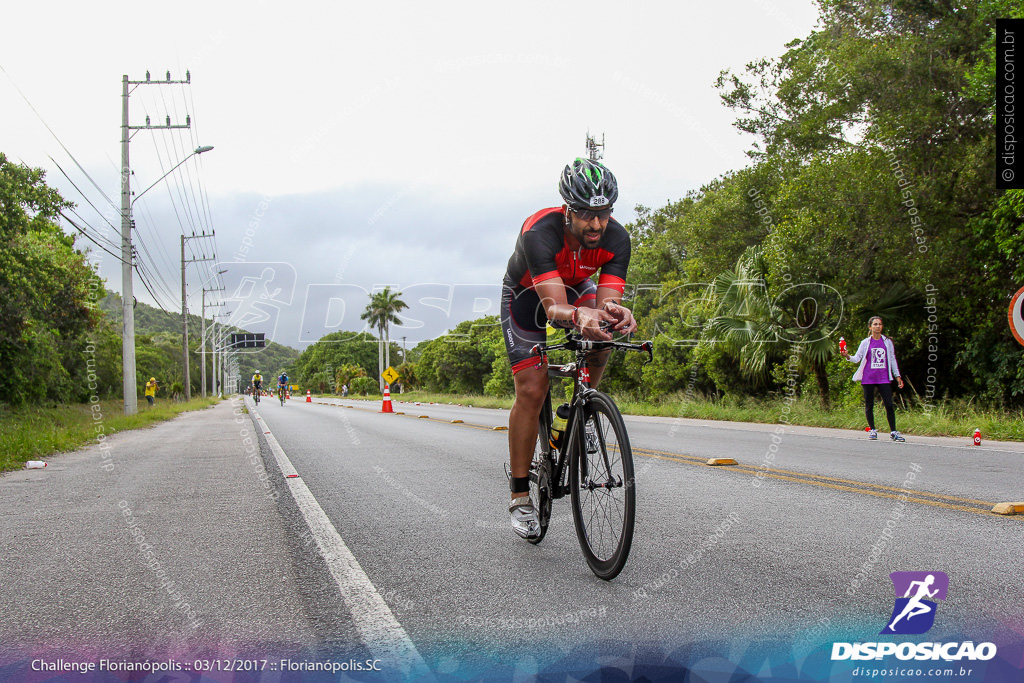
x=716, y=462
x=1009, y=509
x=499, y=429
x=456, y=422
x=424, y=417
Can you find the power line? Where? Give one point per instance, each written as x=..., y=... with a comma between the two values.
x=98, y=235
x=89, y=237
x=195, y=140
x=167, y=265
x=146, y=276
x=170, y=194
x=156, y=277
x=55, y=137
x=145, y=283
x=186, y=206
x=87, y=200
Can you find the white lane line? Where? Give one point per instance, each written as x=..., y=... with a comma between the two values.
x=378, y=628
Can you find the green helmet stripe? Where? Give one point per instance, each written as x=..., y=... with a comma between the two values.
x=591, y=170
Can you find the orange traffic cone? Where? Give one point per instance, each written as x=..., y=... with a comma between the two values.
x=309, y=399
x=386, y=407
x=977, y=437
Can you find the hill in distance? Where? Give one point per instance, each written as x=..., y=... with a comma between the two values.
x=270, y=360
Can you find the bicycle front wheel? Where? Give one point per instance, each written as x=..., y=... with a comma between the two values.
x=602, y=488
x=540, y=473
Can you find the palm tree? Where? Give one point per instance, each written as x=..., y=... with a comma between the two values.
x=760, y=328
x=380, y=313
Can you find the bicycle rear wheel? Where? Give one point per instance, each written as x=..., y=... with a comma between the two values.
x=602, y=488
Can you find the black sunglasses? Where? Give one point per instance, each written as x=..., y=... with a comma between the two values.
x=588, y=215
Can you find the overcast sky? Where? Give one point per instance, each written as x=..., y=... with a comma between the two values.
x=367, y=144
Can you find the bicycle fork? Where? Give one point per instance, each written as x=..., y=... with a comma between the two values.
x=587, y=442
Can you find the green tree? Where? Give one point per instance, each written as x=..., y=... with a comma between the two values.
x=759, y=326
x=463, y=360
x=878, y=128
x=346, y=374
x=381, y=312
x=47, y=294
x=332, y=352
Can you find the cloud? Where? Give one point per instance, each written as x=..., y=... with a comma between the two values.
x=300, y=266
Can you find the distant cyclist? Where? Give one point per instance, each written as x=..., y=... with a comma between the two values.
x=548, y=278
x=257, y=383
x=282, y=382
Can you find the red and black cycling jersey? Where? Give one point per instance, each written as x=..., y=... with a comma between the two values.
x=542, y=252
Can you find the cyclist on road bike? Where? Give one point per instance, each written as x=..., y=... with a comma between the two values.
x=282, y=381
x=257, y=382
x=549, y=279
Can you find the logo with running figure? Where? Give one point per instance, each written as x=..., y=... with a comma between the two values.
x=914, y=612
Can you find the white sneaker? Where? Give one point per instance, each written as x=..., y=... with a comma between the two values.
x=524, y=517
x=873, y=434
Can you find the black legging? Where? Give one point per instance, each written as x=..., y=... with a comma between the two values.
x=869, y=404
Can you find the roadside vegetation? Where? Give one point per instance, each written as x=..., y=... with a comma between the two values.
x=950, y=418
x=35, y=433
x=870, y=190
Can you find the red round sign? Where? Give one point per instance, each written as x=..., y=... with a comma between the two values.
x=1017, y=315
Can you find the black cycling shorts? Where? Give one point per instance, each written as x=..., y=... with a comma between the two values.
x=524, y=321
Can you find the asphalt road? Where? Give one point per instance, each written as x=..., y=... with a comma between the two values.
x=720, y=555
x=323, y=532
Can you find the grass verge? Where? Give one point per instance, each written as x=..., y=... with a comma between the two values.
x=951, y=418
x=36, y=433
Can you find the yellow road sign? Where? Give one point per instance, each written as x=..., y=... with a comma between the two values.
x=389, y=375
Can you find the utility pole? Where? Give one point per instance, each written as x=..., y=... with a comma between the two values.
x=593, y=153
x=219, y=352
x=131, y=399
x=202, y=346
x=184, y=310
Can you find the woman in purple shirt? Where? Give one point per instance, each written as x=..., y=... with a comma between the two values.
x=877, y=358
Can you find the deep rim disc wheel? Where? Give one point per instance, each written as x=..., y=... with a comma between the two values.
x=602, y=488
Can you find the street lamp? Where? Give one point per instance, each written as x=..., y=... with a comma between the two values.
x=131, y=401
x=197, y=150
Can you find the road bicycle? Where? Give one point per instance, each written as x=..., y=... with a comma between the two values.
x=590, y=460
x=256, y=395
x=280, y=394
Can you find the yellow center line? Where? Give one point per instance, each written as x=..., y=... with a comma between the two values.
x=854, y=482
x=849, y=485
x=824, y=482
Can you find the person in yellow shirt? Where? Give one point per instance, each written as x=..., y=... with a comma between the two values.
x=151, y=387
